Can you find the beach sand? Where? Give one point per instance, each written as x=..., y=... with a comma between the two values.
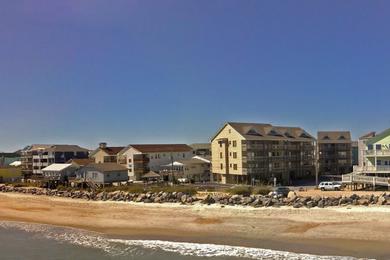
x=353, y=231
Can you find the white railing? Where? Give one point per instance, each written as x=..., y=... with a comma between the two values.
x=353, y=178
x=372, y=169
x=377, y=153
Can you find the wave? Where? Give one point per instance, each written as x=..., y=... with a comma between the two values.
x=125, y=247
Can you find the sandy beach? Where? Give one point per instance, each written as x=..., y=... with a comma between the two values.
x=352, y=231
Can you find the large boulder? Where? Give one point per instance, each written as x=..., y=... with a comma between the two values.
x=292, y=196
x=208, y=200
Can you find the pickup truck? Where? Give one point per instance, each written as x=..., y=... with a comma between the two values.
x=329, y=186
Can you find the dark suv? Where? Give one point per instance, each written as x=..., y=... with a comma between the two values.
x=280, y=191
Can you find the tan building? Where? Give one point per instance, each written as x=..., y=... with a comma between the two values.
x=334, y=152
x=250, y=152
x=106, y=154
x=143, y=158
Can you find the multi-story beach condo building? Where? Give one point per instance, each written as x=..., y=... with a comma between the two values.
x=375, y=154
x=334, y=152
x=142, y=158
x=249, y=152
x=38, y=156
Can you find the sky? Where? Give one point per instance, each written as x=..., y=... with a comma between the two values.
x=126, y=71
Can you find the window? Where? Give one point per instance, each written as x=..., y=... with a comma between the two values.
x=234, y=166
x=220, y=155
x=370, y=147
x=130, y=170
x=184, y=156
x=379, y=162
x=130, y=160
x=234, y=143
x=221, y=166
x=220, y=144
x=378, y=147
x=235, y=155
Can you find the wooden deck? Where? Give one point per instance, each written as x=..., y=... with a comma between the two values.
x=366, y=180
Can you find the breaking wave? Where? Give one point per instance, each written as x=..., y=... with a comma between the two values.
x=124, y=247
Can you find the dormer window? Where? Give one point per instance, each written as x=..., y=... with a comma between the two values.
x=304, y=135
x=274, y=133
x=253, y=132
x=326, y=137
x=287, y=134
x=342, y=137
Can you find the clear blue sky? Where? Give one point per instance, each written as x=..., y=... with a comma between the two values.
x=174, y=71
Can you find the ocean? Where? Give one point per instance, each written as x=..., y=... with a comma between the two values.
x=36, y=241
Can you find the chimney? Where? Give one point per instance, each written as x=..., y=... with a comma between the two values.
x=102, y=145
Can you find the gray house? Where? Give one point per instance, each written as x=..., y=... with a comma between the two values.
x=103, y=173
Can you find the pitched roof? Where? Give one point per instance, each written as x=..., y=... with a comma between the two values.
x=334, y=137
x=106, y=167
x=56, y=147
x=379, y=136
x=259, y=131
x=160, y=148
x=66, y=148
x=57, y=167
x=81, y=162
x=111, y=150
x=368, y=135
x=195, y=160
x=151, y=174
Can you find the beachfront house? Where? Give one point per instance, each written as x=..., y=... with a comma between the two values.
x=140, y=159
x=106, y=154
x=59, y=172
x=376, y=155
x=103, y=173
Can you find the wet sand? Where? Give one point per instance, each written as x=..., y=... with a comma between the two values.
x=353, y=231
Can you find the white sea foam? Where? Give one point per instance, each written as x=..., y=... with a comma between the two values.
x=123, y=247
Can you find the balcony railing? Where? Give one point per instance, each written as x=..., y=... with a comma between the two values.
x=377, y=153
x=372, y=169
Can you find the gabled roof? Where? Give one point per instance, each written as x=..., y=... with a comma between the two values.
x=66, y=148
x=81, y=162
x=151, y=175
x=161, y=148
x=56, y=148
x=334, y=137
x=57, y=167
x=368, y=135
x=112, y=150
x=106, y=167
x=259, y=131
x=379, y=137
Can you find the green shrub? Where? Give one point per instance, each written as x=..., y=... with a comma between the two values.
x=240, y=190
x=261, y=190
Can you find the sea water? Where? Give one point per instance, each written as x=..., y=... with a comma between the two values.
x=35, y=241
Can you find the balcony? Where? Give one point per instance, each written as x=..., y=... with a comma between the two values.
x=374, y=153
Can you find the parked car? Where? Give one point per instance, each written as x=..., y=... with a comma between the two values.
x=329, y=186
x=280, y=191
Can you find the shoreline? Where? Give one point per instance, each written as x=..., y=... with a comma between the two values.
x=353, y=231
